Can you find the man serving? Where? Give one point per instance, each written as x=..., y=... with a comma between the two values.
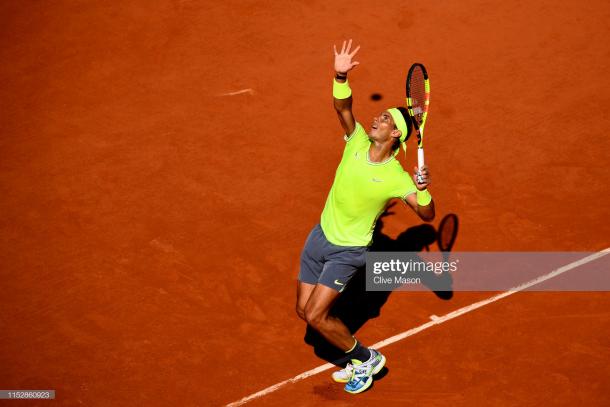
x=367, y=178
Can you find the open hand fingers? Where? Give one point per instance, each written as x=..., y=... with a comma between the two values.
x=343, y=58
x=346, y=47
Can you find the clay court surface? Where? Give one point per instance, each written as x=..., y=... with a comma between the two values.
x=161, y=164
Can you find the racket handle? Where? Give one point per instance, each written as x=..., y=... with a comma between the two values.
x=420, y=157
x=420, y=164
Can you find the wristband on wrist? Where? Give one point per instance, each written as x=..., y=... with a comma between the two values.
x=341, y=90
x=423, y=197
x=341, y=76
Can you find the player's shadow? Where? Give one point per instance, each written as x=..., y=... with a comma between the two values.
x=355, y=306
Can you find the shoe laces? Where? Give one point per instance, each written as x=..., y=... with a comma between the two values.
x=360, y=369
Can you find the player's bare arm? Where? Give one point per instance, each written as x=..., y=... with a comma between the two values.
x=343, y=64
x=426, y=213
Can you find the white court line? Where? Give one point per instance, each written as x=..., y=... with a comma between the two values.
x=238, y=92
x=435, y=321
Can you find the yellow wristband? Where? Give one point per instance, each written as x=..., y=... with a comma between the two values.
x=423, y=197
x=341, y=90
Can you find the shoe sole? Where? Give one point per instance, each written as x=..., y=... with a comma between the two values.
x=370, y=382
x=363, y=388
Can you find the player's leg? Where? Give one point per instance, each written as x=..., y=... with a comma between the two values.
x=342, y=263
x=304, y=291
x=365, y=362
x=312, y=265
x=340, y=266
x=325, y=271
x=317, y=316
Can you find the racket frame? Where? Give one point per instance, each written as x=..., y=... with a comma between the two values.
x=419, y=128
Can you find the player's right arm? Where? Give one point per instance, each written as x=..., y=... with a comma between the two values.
x=343, y=105
x=421, y=201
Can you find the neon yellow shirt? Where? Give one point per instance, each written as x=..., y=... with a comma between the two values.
x=360, y=192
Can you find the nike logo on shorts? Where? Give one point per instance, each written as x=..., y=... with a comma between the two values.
x=338, y=282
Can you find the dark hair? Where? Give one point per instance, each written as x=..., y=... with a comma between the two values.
x=405, y=114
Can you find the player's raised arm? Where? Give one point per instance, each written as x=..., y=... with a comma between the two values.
x=341, y=91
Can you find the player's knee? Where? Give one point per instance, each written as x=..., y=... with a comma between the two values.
x=315, y=318
x=301, y=312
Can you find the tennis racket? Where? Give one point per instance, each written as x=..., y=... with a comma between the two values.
x=418, y=103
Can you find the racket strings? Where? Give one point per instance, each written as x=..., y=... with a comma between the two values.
x=417, y=91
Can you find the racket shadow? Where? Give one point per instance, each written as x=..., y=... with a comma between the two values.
x=355, y=306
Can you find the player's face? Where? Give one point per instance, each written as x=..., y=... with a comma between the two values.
x=382, y=127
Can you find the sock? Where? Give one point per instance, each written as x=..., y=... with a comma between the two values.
x=359, y=352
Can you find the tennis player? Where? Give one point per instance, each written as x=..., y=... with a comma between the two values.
x=367, y=178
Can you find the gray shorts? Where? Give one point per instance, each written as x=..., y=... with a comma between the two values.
x=325, y=263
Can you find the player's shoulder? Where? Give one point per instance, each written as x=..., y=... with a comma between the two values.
x=402, y=181
x=397, y=170
x=397, y=167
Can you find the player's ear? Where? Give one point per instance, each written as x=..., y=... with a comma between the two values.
x=396, y=133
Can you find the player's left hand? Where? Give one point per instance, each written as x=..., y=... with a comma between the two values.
x=425, y=177
x=343, y=59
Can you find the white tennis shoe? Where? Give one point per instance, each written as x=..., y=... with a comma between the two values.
x=343, y=375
